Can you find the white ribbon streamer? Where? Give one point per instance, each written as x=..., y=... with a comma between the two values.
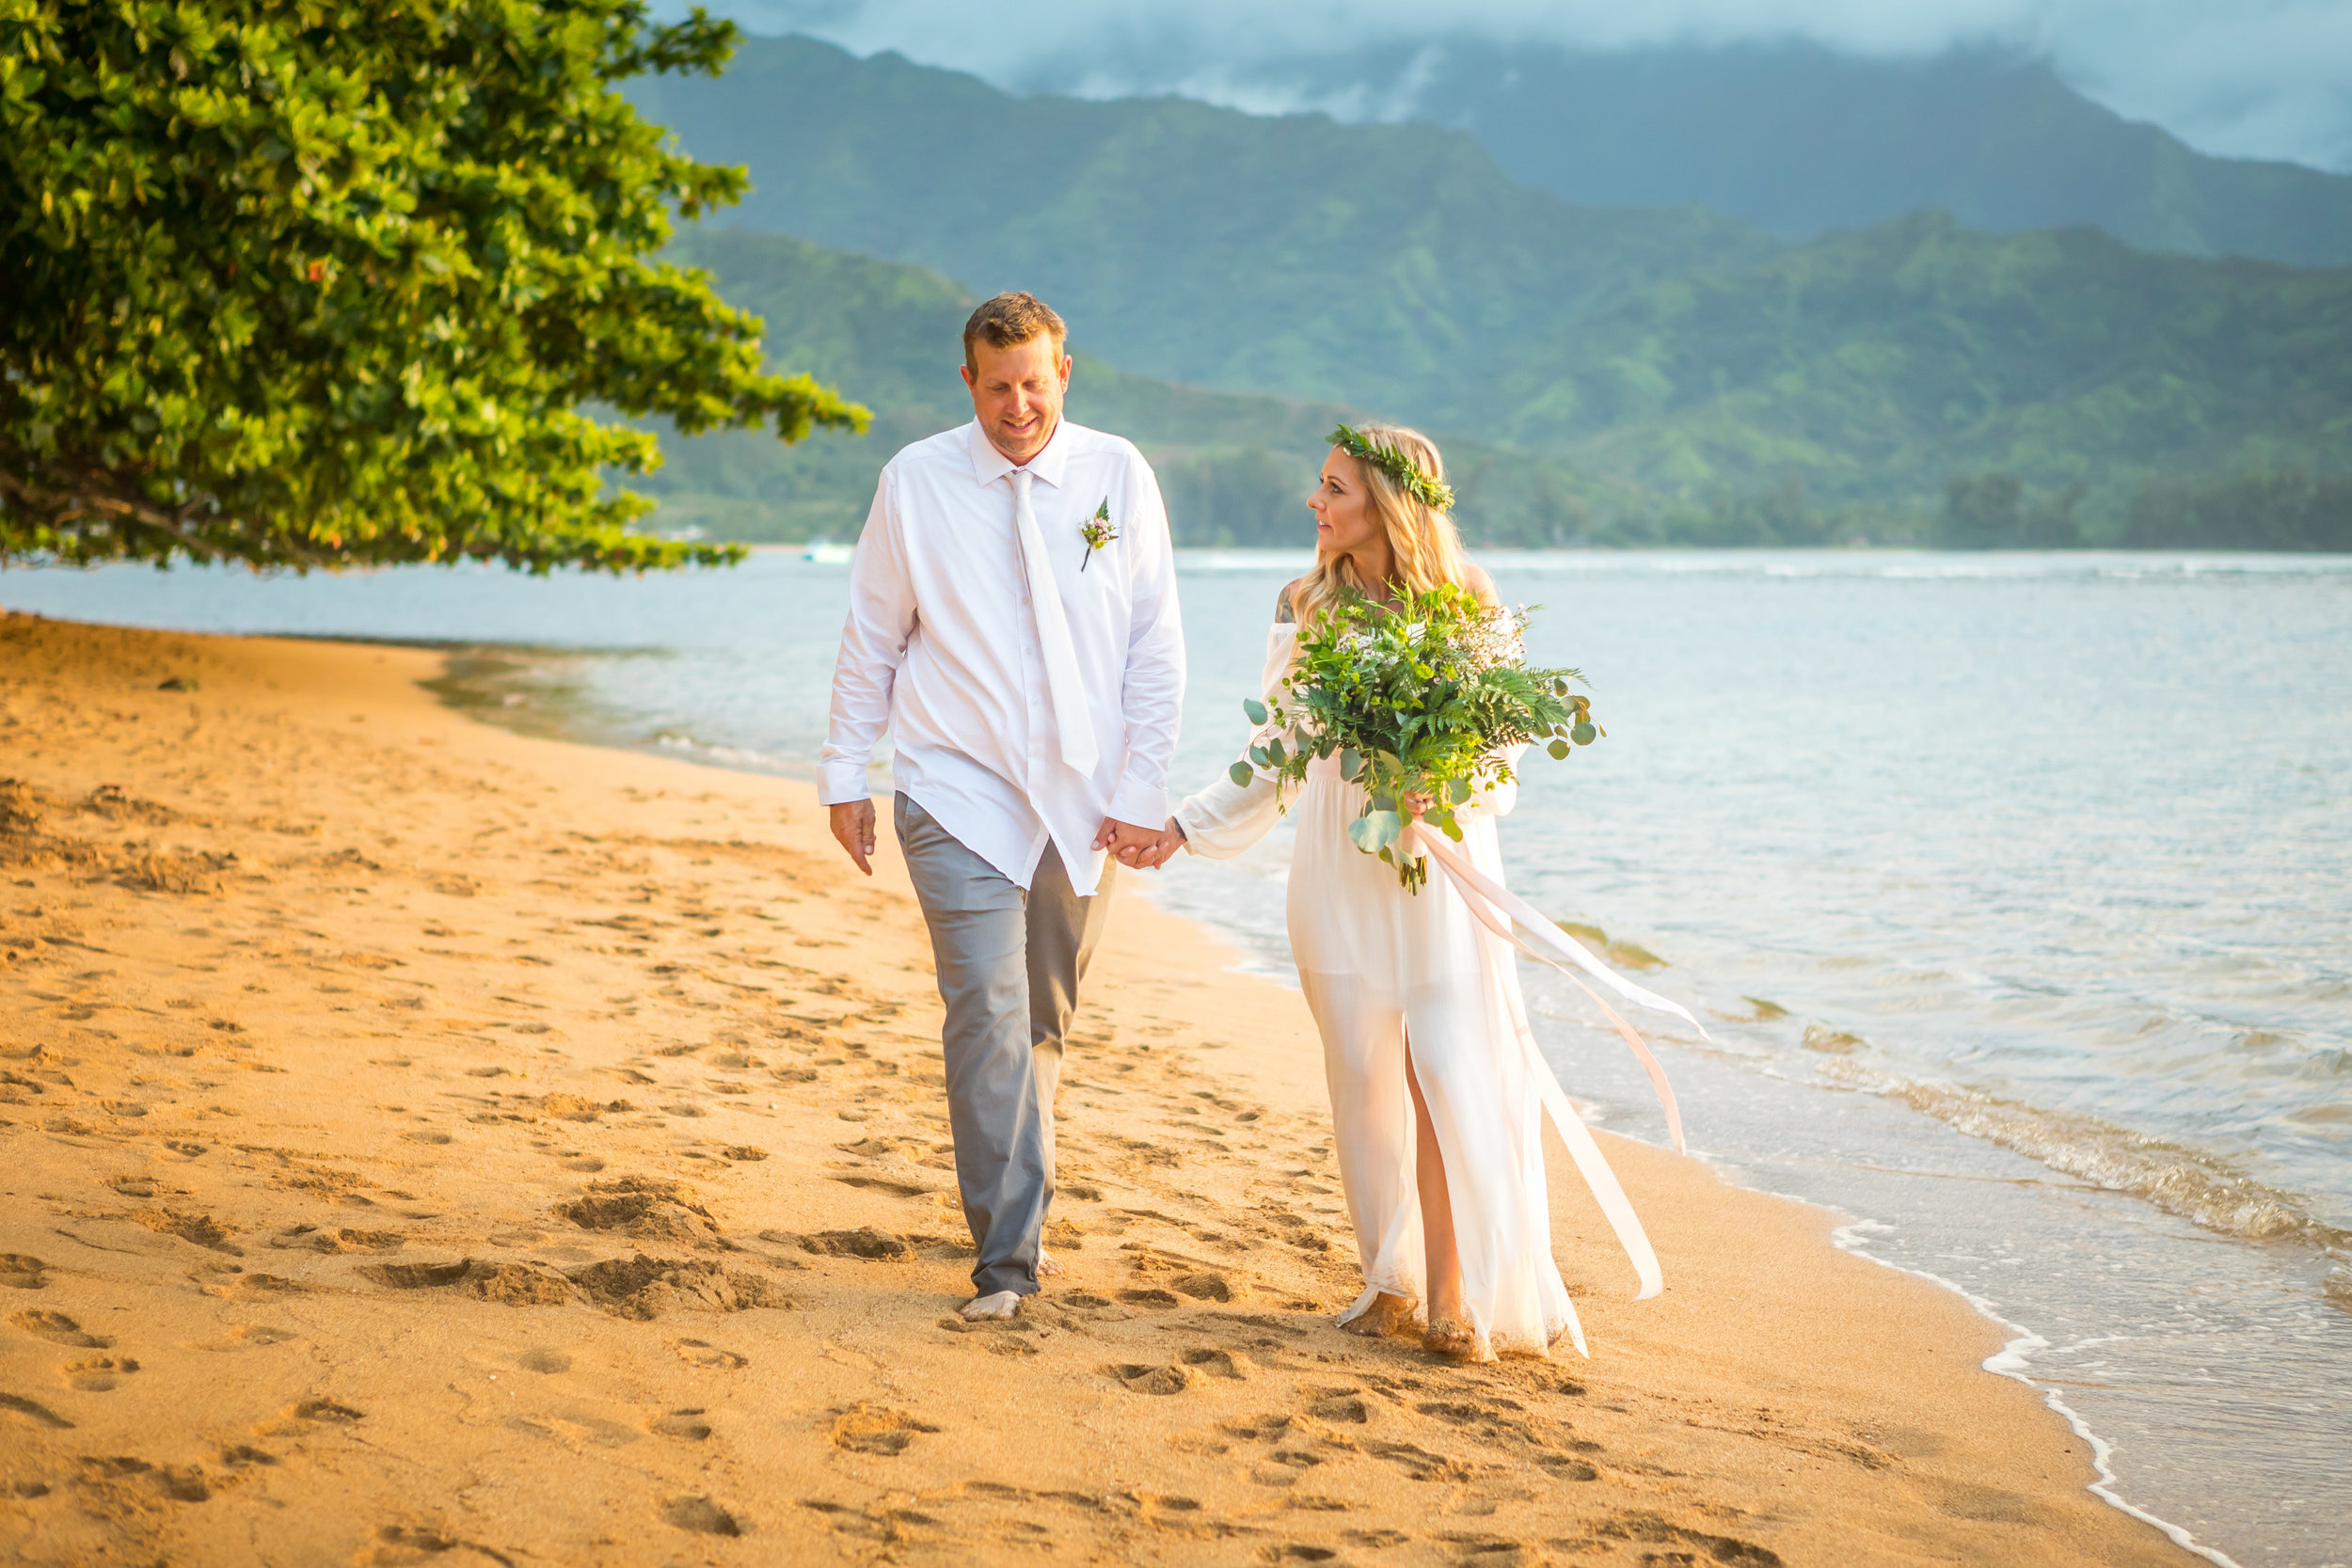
x=1495, y=907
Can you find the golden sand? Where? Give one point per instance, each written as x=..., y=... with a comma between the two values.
x=424, y=1144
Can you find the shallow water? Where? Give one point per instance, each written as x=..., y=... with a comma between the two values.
x=2043, y=864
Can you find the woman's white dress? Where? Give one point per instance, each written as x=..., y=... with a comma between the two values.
x=1381, y=966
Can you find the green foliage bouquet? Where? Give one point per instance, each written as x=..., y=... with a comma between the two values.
x=1428, y=697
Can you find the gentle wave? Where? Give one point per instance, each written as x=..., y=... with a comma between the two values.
x=2195, y=1184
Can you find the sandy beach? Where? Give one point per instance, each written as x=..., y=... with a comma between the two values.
x=426, y=1143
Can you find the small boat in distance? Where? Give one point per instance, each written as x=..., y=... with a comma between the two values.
x=828, y=552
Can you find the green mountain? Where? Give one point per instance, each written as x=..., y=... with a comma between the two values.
x=1378, y=266
x=1798, y=139
x=1628, y=375
x=1878, y=363
x=1235, y=469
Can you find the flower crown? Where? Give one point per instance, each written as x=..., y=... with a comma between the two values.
x=1389, y=460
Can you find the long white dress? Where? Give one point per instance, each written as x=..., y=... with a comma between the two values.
x=1381, y=966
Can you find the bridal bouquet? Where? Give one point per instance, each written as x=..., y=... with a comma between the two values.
x=1424, y=699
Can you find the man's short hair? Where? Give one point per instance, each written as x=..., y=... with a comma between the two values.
x=1011, y=319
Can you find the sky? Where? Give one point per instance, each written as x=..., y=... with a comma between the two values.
x=2238, y=78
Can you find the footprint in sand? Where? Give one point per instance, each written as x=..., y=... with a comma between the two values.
x=1210, y=1287
x=1171, y=1379
x=418, y=1277
x=1152, y=1298
x=98, y=1374
x=548, y=1362
x=57, y=1329
x=872, y=1429
x=39, y=1414
x=865, y=1242
x=686, y=1425
x=1340, y=1404
x=22, y=1271
x=701, y=1515
x=575, y=1428
x=322, y=1411
x=1230, y=1364
x=646, y=1209
x=701, y=1352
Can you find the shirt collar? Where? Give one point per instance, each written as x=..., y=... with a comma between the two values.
x=988, y=464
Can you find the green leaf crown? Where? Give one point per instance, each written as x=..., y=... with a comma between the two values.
x=1389, y=460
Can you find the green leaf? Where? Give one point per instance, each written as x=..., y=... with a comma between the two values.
x=365, y=294
x=1258, y=754
x=1583, y=732
x=1559, y=750
x=1375, y=830
x=1350, y=762
x=1273, y=753
x=1255, y=709
x=1240, y=773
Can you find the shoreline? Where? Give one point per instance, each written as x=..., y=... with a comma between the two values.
x=1194, y=1326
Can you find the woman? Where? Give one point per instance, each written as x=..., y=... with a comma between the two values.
x=1436, y=1103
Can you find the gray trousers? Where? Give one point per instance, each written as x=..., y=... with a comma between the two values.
x=1008, y=966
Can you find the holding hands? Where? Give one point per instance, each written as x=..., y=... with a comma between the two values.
x=1140, y=848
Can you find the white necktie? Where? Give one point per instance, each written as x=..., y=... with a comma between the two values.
x=1063, y=686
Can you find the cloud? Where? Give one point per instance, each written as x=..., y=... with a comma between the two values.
x=2243, y=78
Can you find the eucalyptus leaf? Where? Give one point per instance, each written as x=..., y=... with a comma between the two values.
x=1559, y=750
x=1584, y=732
x=1273, y=753
x=1255, y=709
x=1351, y=761
x=1240, y=774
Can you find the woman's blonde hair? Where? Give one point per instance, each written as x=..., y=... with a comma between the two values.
x=1421, y=540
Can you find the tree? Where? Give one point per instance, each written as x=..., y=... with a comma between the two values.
x=295, y=284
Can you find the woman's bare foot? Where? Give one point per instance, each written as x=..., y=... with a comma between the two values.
x=1452, y=1338
x=1386, y=1315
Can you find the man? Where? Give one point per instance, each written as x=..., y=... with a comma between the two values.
x=1013, y=622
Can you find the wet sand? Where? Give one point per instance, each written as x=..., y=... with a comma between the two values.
x=425, y=1144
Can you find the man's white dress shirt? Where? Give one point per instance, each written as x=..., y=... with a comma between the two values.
x=942, y=648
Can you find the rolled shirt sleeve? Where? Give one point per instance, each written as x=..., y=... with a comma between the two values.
x=874, y=643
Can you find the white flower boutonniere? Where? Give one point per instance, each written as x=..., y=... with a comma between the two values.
x=1097, y=531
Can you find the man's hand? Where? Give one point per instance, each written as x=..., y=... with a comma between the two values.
x=1128, y=842
x=1171, y=840
x=853, y=825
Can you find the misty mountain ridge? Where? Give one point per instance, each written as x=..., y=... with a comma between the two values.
x=1626, y=373
x=1799, y=139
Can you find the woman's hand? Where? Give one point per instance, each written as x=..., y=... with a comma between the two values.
x=1417, y=801
x=1151, y=856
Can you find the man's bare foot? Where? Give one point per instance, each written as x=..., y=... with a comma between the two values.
x=1386, y=1315
x=1004, y=1304
x=1048, y=1266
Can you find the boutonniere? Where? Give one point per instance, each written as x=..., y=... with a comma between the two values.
x=1097, y=531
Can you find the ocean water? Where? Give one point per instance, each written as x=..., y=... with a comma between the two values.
x=2018, y=890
